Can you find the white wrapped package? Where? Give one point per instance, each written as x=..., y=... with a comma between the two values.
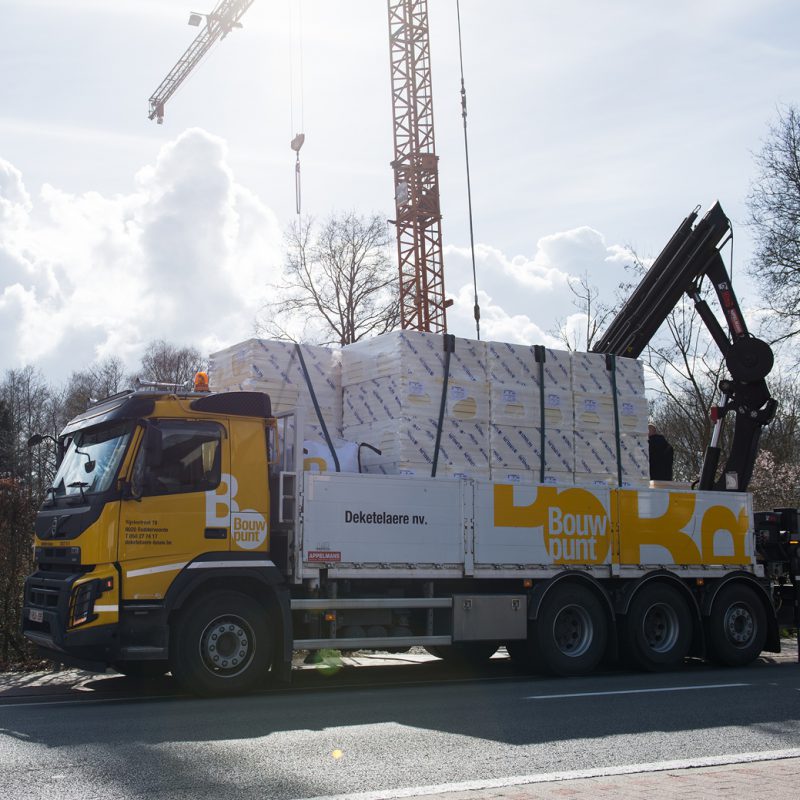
x=464, y=445
x=515, y=365
x=403, y=396
x=590, y=375
x=595, y=412
x=521, y=406
x=417, y=355
x=517, y=448
x=596, y=453
x=317, y=457
x=273, y=367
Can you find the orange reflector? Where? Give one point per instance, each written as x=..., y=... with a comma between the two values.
x=527, y=583
x=330, y=616
x=201, y=382
x=700, y=581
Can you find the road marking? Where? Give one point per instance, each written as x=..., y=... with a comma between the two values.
x=636, y=691
x=552, y=777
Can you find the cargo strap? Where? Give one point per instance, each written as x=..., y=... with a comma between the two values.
x=321, y=419
x=540, y=354
x=449, y=347
x=611, y=366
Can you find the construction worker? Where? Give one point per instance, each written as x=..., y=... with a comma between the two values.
x=661, y=455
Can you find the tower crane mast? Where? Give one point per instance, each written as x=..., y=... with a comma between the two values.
x=416, y=171
x=219, y=23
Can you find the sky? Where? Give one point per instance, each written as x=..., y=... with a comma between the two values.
x=593, y=127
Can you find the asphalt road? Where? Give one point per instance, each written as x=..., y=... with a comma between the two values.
x=370, y=729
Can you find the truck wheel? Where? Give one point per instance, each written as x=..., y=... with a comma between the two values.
x=737, y=626
x=465, y=654
x=657, y=631
x=221, y=645
x=141, y=670
x=570, y=633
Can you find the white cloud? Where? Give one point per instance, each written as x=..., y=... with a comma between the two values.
x=185, y=255
x=525, y=297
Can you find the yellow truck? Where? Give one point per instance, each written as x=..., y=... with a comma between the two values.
x=184, y=533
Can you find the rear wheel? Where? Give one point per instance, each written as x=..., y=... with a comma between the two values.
x=221, y=645
x=737, y=626
x=570, y=633
x=657, y=631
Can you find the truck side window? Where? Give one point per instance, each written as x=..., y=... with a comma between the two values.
x=190, y=459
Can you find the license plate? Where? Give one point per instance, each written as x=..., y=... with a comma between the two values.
x=36, y=615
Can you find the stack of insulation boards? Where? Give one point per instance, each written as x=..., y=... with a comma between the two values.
x=595, y=425
x=512, y=413
x=392, y=392
x=262, y=365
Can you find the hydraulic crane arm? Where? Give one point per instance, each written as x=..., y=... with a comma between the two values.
x=219, y=23
x=691, y=254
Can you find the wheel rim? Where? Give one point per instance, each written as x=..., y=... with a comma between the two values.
x=573, y=630
x=660, y=627
x=739, y=625
x=227, y=646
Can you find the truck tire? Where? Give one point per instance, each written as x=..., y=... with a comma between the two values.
x=570, y=634
x=657, y=631
x=737, y=626
x=465, y=654
x=141, y=670
x=221, y=644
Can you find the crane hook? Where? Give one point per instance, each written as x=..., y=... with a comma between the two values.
x=296, y=144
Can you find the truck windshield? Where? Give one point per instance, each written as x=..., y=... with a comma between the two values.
x=91, y=460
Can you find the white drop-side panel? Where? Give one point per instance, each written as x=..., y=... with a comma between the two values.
x=383, y=519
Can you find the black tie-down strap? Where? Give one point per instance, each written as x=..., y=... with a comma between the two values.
x=317, y=408
x=540, y=356
x=449, y=347
x=611, y=366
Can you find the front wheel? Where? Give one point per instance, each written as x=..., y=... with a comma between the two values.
x=657, y=632
x=221, y=645
x=570, y=633
x=737, y=626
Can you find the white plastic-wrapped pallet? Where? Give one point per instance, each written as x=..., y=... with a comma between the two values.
x=516, y=448
x=412, y=353
x=403, y=396
x=274, y=367
x=463, y=445
x=392, y=394
x=596, y=425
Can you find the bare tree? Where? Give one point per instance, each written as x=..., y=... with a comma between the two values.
x=99, y=380
x=592, y=316
x=166, y=363
x=774, y=205
x=340, y=284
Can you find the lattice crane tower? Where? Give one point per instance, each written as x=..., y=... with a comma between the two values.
x=416, y=172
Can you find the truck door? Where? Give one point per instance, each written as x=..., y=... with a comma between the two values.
x=180, y=463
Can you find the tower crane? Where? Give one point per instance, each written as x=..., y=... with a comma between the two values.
x=415, y=163
x=219, y=23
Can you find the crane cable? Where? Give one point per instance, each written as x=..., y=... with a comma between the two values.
x=476, y=308
x=299, y=138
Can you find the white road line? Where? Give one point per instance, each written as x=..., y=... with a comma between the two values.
x=636, y=691
x=551, y=777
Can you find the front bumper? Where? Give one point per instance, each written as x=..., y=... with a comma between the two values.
x=50, y=607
